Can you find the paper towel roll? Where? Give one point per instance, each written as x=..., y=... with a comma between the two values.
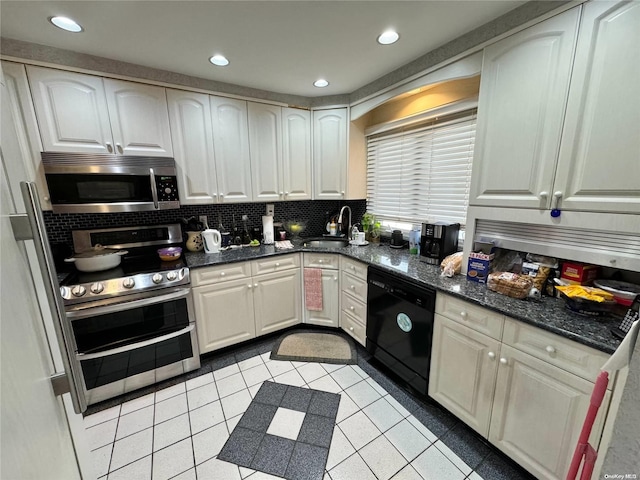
x=267, y=229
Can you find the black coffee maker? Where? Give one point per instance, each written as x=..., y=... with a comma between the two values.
x=437, y=241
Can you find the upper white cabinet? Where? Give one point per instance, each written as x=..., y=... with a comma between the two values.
x=265, y=145
x=599, y=162
x=296, y=153
x=139, y=118
x=523, y=91
x=192, y=138
x=231, y=146
x=330, y=153
x=84, y=113
x=72, y=111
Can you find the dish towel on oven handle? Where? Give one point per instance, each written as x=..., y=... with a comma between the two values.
x=313, y=289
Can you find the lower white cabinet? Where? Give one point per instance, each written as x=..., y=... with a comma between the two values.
x=224, y=314
x=329, y=315
x=277, y=301
x=464, y=365
x=353, y=299
x=538, y=412
x=232, y=306
x=329, y=264
x=531, y=405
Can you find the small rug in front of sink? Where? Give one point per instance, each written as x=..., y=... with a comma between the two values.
x=312, y=346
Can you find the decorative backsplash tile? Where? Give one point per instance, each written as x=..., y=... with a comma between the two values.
x=316, y=212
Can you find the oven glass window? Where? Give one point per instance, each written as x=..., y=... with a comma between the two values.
x=93, y=188
x=111, y=368
x=105, y=332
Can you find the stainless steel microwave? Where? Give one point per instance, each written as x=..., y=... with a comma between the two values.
x=100, y=183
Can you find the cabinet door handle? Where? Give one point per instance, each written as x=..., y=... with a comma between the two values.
x=281, y=193
x=119, y=147
x=255, y=285
x=222, y=274
x=221, y=195
x=342, y=193
x=335, y=279
x=352, y=308
x=556, y=197
x=543, y=194
x=550, y=349
x=351, y=329
x=320, y=261
x=352, y=287
x=249, y=285
x=491, y=355
x=286, y=193
x=277, y=264
x=504, y=361
x=463, y=314
x=109, y=147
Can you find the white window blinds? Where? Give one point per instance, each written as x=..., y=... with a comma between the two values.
x=422, y=173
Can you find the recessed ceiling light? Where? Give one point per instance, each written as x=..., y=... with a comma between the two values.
x=219, y=60
x=66, y=24
x=388, y=37
x=321, y=83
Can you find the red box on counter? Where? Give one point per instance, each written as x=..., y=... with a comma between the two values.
x=579, y=273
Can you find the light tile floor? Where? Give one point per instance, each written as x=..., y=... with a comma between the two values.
x=178, y=431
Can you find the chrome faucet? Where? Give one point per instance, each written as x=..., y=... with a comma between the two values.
x=340, y=220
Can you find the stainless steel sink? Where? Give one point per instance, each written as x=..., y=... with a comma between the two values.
x=327, y=243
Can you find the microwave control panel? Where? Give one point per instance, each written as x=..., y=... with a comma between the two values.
x=167, y=188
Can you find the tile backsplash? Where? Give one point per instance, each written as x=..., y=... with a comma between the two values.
x=60, y=225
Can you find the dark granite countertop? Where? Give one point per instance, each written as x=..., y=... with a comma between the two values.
x=546, y=313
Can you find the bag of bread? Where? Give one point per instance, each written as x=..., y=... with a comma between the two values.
x=451, y=265
x=510, y=284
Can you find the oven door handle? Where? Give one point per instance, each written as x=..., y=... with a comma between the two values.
x=134, y=346
x=120, y=307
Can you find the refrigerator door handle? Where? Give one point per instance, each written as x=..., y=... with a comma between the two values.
x=30, y=226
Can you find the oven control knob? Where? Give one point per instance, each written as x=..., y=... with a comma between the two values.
x=157, y=278
x=128, y=282
x=97, y=288
x=172, y=275
x=78, y=291
x=65, y=292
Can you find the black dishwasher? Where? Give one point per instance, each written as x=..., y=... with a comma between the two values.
x=400, y=325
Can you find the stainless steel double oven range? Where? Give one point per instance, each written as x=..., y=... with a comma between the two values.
x=133, y=325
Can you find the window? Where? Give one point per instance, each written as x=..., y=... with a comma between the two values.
x=422, y=173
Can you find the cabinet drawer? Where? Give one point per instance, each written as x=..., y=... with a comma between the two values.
x=356, y=287
x=354, y=307
x=353, y=328
x=357, y=269
x=480, y=319
x=230, y=271
x=571, y=356
x=276, y=263
x=321, y=260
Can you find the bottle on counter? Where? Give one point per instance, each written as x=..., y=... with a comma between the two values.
x=414, y=240
x=333, y=228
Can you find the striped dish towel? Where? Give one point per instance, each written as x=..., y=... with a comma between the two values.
x=313, y=289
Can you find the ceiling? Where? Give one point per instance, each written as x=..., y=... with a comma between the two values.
x=279, y=46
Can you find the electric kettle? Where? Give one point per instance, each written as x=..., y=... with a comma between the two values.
x=212, y=240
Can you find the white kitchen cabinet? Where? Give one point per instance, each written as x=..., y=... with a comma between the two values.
x=192, y=138
x=139, y=118
x=353, y=299
x=86, y=114
x=527, y=391
x=599, y=161
x=296, y=154
x=265, y=145
x=277, y=299
x=538, y=412
x=231, y=147
x=464, y=365
x=330, y=153
x=224, y=314
x=523, y=91
x=330, y=314
x=21, y=145
x=72, y=111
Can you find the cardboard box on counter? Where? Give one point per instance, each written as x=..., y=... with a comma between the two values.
x=479, y=266
x=579, y=273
